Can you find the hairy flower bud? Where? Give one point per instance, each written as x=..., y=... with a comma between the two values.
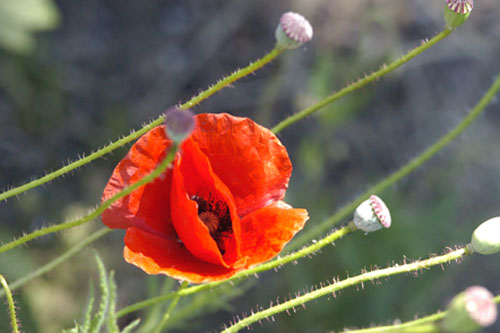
x=179, y=124
x=372, y=215
x=293, y=31
x=486, y=237
x=470, y=310
x=456, y=12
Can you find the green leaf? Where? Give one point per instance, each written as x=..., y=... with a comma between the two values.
x=88, y=312
x=131, y=326
x=100, y=316
x=111, y=323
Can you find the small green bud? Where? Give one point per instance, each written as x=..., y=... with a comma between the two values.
x=179, y=124
x=372, y=215
x=456, y=12
x=486, y=237
x=470, y=311
x=293, y=31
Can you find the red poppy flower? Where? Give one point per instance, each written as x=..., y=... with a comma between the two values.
x=216, y=211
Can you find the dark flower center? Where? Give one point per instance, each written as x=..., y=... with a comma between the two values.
x=215, y=215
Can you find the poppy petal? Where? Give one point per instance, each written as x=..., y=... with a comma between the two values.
x=247, y=157
x=266, y=231
x=194, y=177
x=158, y=255
x=148, y=207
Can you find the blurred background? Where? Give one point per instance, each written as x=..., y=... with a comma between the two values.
x=75, y=75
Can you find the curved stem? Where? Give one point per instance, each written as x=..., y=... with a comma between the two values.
x=403, y=171
x=59, y=260
x=10, y=302
x=249, y=272
x=252, y=67
x=385, y=69
x=349, y=282
x=126, y=191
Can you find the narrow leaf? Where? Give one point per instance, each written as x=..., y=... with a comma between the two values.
x=111, y=322
x=100, y=316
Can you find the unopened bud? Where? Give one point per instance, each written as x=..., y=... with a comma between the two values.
x=179, y=124
x=486, y=237
x=293, y=31
x=470, y=311
x=372, y=215
x=456, y=12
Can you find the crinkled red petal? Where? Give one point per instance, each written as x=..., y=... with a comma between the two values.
x=148, y=207
x=159, y=255
x=193, y=176
x=266, y=231
x=247, y=157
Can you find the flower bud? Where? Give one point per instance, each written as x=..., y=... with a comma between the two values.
x=293, y=31
x=486, y=237
x=179, y=124
x=372, y=215
x=456, y=12
x=470, y=311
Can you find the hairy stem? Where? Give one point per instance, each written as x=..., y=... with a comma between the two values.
x=417, y=325
x=240, y=73
x=126, y=191
x=403, y=171
x=249, y=272
x=349, y=282
x=12, y=306
x=252, y=67
x=386, y=69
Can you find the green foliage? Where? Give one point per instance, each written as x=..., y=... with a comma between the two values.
x=19, y=19
x=106, y=311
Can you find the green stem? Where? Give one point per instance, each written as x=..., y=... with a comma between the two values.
x=171, y=306
x=59, y=260
x=361, y=82
x=240, y=73
x=403, y=171
x=126, y=191
x=249, y=272
x=12, y=307
x=417, y=325
x=349, y=282
x=101, y=152
x=252, y=67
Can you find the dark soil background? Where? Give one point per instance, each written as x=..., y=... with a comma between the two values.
x=112, y=65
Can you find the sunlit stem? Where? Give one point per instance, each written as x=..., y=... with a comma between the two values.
x=99, y=210
x=401, y=172
x=249, y=272
x=240, y=73
x=12, y=306
x=386, y=69
x=424, y=324
x=252, y=67
x=171, y=306
x=349, y=282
